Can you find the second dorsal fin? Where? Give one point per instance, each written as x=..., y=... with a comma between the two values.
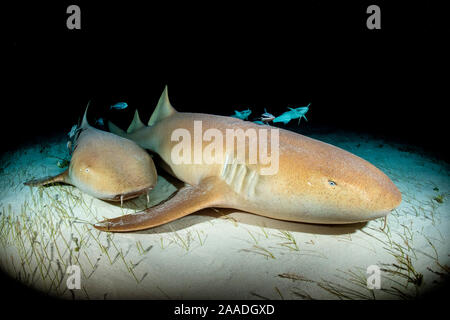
x=136, y=124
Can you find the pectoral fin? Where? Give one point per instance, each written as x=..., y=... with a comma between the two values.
x=62, y=177
x=186, y=200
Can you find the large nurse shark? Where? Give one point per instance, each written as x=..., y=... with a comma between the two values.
x=315, y=182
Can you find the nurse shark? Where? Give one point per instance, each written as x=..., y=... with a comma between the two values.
x=315, y=182
x=105, y=166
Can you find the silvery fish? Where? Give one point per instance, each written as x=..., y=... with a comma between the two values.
x=267, y=117
x=100, y=122
x=297, y=113
x=119, y=106
x=73, y=131
x=242, y=114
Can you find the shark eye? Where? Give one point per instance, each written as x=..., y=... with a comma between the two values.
x=332, y=183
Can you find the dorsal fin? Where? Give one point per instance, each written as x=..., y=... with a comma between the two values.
x=85, y=123
x=163, y=110
x=136, y=124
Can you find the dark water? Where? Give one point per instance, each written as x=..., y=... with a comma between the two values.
x=233, y=57
x=382, y=85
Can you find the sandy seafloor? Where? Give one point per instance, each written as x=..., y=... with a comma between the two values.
x=224, y=254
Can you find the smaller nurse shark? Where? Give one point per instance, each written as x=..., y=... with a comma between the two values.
x=315, y=182
x=105, y=166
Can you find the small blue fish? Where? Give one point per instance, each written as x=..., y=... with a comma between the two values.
x=242, y=114
x=100, y=122
x=73, y=131
x=297, y=113
x=119, y=106
x=267, y=117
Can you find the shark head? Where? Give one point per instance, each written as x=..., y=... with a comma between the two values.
x=340, y=187
x=110, y=167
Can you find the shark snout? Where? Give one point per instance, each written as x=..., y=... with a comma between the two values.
x=360, y=192
x=393, y=198
x=384, y=197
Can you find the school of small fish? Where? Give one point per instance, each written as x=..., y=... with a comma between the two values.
x=266, y=117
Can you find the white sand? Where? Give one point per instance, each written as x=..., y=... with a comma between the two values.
x=215, y=254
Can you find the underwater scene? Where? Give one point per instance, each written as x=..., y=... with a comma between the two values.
x=48, y=228
x=233, y=167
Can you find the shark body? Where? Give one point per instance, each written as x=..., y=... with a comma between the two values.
x=315, y=183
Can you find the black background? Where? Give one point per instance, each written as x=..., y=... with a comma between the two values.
x=220, y=56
